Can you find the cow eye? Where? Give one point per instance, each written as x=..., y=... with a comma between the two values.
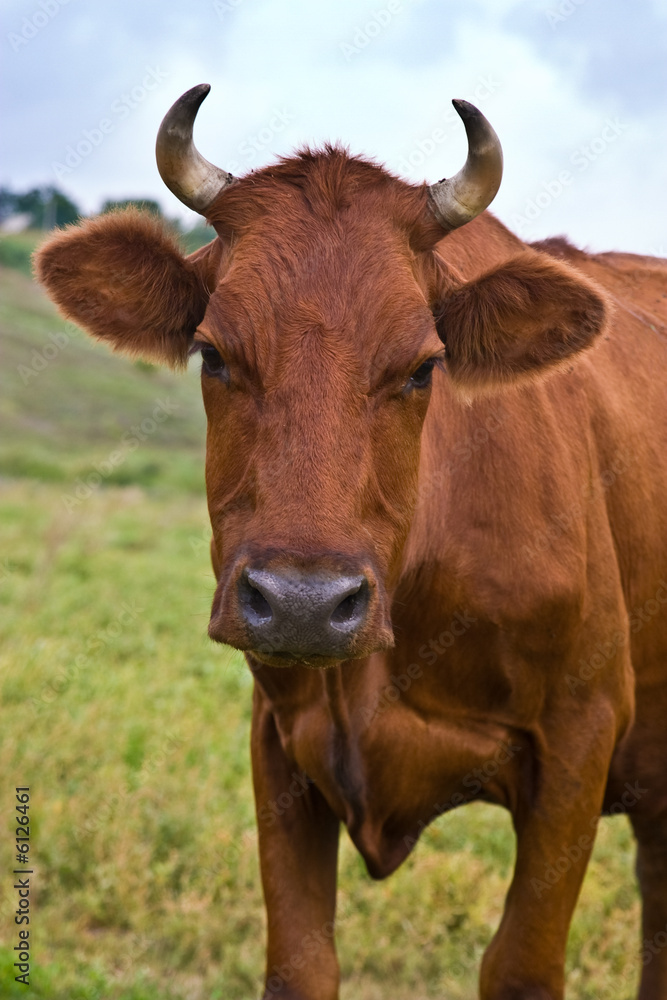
x=212, y=363
x=421, y=378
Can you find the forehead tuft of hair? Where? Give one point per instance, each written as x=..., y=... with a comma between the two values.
x=323, y=184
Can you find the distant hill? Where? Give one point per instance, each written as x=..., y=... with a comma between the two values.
x=67, y=404
x=16, y=249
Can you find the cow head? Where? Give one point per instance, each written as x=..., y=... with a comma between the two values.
x=323, y=315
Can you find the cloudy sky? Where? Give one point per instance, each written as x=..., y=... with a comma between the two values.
x=576, y=90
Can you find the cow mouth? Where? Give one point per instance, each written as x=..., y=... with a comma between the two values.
x=320, y=661
x=315, y=661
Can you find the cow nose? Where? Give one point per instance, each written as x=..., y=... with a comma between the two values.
x=302, y=614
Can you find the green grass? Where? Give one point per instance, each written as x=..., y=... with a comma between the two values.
x=132, y=731
x=67, y=405
x=16, y=249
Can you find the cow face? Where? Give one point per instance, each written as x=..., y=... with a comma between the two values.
x=323, y=316
x=318, y=353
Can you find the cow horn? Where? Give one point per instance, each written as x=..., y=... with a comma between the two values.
x=193, y=180
x=459, y=199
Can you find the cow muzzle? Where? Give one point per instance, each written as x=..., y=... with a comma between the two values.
x=285, y=615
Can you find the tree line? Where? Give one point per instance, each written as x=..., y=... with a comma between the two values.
x=47, y=207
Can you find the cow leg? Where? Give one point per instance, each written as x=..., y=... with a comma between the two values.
x=651, y=833
x=298, y=849
x=555, y=830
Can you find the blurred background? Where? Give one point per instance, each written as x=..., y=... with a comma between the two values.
x=129, y=726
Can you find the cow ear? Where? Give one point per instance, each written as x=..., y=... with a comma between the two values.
x=524, y=317
x=122, y=278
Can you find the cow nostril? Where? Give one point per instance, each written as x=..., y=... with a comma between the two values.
x=351, y=609
x=345, y=611
x=256, y=607
x=300, y=613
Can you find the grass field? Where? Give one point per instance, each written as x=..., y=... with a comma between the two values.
x=131, y=728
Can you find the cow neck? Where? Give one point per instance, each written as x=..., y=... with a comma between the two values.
x=332, y=680
x=346, y=763
x=480, y=246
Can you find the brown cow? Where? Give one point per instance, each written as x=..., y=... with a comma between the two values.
x=477, y=553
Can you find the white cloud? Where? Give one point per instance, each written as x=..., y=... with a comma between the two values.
x=376, y=74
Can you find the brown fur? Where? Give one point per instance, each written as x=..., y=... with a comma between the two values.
x=526, y=315
x=515, y=542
